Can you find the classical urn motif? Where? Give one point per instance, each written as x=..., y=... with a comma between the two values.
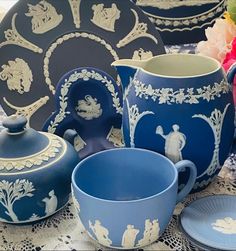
x=35, y=170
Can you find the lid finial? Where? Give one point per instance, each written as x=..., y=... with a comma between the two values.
x=14, y=123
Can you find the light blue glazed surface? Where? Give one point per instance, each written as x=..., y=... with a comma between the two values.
x=124, y=187
x=200, y=217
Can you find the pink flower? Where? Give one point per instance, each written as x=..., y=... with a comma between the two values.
x=230, y=59
x=219, y=38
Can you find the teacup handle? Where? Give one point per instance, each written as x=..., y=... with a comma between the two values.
x=192, y=178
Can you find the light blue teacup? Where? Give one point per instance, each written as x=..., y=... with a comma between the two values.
x=125, y=197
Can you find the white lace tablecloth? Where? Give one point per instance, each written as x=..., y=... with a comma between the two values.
x=64, y=231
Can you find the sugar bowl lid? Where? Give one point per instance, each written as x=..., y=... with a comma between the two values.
x=23, y=149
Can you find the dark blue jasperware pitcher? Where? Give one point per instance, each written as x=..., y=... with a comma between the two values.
x=181, y=106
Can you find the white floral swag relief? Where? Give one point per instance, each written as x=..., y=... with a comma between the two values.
x=86, y=76
x=170, y=4
x=188, y=23
x=39, y=159
x=183, y=95
x=61, y=40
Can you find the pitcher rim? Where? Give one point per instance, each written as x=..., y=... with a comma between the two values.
x=218, y=65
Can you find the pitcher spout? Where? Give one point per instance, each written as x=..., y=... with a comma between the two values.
x=127, y=68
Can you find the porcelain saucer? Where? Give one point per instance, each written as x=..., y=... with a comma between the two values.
x=210, y=222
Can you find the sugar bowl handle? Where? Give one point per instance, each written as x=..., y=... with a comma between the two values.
x=15, y=124
x=192, y=178
x=70, y=135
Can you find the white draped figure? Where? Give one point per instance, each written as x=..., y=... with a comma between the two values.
x=174, y=143
x=51, y=203
x=147, y=234
x=101, y=233
x=129, y=237
x=151, y=232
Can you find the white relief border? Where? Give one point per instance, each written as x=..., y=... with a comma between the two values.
x=174, y=23
x=189, y=95
x=85, y=75
x=67, y=37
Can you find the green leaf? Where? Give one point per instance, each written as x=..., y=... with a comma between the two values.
x=231, y=8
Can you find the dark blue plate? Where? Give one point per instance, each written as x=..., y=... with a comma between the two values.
x=182, y=21
x=88, y=101
x=42, y=40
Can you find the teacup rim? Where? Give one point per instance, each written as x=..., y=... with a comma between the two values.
x=125, y=201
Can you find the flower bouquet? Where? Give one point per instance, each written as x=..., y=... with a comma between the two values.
x=221, y=40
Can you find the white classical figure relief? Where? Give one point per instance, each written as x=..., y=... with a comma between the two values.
x=105, y=18
x=10, y=192
x=141, y=54
x=75, y=9
x=101, y=233
x=174, y=143
x=18, y=75
x=44, y=17
x=170, y=4
x=115, y=136
x=29, y=110
x=151, y=233
x=129, y=237
x=50, y=203
x=139, y=30
x=134, y=118
x=215, y=121
x=79, y=143
x=89, y=108
x=225, y=226
x=13, y=37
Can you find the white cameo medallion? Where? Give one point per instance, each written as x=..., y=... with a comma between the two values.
x=170, y=4
x=50, y=203
x=44, y=17
x=13, y=37
x=105, y=18
x=79, y=143
x=215, y=121
x=174, y=143
x=142, y=55
x=139, y=30
x=151, y=233
x=225, y=226
x=115, y=136
x=29, y=110
x=10, y=192
x=89, y=108
x=75, y=9
x=101, y=233
x=129, y=237
x=18, y=75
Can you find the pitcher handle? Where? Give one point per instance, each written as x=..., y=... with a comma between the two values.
x=192, y=178
x=230, y=77
x=231, y=73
